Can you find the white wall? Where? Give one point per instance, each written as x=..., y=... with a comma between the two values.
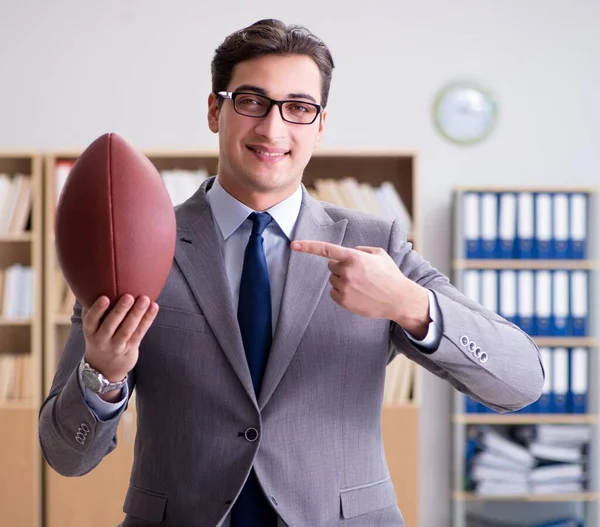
x=71, y=70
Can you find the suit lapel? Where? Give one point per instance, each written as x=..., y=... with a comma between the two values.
x=200, y=258
x=307, y=277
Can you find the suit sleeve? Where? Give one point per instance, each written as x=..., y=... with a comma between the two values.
x=479, y=353
x=72, y=438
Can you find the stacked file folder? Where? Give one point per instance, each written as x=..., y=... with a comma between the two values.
x=534, y=459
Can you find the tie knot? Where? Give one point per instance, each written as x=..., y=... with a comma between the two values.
x=260, y=221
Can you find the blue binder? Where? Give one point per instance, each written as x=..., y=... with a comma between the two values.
x=507, y=225
x=560, y=226
x=559, y=393
x=543, y=226
x=579, y=380
x=579, y=303
x=543, y=303
x=471, y=405
x=525, y=225
x=559, y=325
x=526, y=301
x=543, y=404
x=489, y=225
x=578, y=225
x=507, y=291
x=471, y=224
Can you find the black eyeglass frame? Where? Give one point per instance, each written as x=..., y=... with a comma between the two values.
x=272, y=102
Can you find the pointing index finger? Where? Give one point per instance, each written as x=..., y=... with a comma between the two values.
x=325, y=249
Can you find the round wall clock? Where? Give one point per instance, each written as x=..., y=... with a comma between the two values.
x=464, y=113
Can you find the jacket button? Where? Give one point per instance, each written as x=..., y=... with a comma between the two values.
x=464, y=340
x=251, y=435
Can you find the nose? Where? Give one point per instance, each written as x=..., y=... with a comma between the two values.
x=272, y=126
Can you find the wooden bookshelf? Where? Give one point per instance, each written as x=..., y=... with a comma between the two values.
x=21, y=339
x=70, y=500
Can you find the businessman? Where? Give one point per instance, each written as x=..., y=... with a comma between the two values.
x=259, y=372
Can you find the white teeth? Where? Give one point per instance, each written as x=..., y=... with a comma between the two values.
x=269, y=154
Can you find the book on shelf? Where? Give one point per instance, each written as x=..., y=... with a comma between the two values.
x=15, y=377
x=399, y=381
x=64, y=298
x=382, y=200
x=17, y=293
x=15, y=203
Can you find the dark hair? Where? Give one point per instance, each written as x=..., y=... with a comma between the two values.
x=270, y=37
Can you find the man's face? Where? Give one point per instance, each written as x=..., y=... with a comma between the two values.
x=267, y=156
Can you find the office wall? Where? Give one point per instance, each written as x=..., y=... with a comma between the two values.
x=73, y=69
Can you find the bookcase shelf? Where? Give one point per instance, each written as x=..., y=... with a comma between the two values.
x=10, y=322
x=19, y=405
x=569, y=342
x=24, y=237
x=20, y=337
x=69, y=501
x=524, y=418
x=541, y=290
x=555, y=498
x=525, y=264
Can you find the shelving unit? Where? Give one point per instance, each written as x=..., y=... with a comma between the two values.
x=20, y=342
x=581, y=504
x=71, y=502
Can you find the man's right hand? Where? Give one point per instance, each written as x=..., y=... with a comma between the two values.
x=112, y=338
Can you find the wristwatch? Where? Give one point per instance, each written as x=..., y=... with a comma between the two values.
x=96, y=382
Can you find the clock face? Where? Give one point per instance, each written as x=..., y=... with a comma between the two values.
x=464, y=113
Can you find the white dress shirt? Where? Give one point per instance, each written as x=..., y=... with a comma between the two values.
x=231, y=220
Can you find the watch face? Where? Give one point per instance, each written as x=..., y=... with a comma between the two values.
x=91, y=380
x=464, y=113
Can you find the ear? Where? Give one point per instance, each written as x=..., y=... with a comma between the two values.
x=321, y=131
x=213, y=113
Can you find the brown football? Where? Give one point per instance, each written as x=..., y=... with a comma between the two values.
x=115, y=224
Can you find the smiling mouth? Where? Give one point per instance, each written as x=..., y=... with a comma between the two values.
x=267, y=154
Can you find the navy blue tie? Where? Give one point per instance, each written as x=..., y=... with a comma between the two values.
x=254, y=316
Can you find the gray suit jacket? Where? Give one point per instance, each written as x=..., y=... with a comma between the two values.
x=319, y=453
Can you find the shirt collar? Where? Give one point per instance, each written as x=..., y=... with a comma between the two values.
x=231, y=213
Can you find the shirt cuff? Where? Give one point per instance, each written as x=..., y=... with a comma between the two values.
x=103, y=410
x=434, y=332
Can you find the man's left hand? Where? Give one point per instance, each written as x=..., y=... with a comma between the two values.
x=366, y=281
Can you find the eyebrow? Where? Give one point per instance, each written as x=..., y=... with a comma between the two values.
x=262, y=91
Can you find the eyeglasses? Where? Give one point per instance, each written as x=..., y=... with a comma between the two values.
x=253, y=105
